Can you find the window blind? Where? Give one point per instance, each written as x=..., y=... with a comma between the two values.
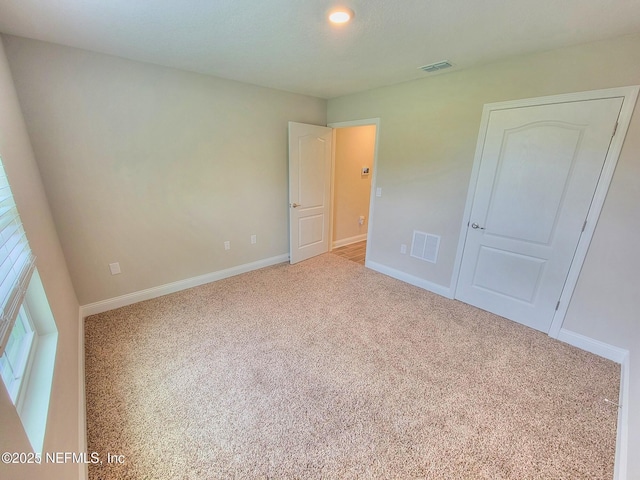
x=16, y=261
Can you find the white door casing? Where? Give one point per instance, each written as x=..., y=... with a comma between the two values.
x=309, y=190
x=539, y=168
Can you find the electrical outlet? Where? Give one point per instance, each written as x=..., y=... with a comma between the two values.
x=227, y=245
x=115, y=268
x=254, y=239
x=403, y=249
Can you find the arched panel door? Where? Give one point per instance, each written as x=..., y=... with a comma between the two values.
x=539, y=169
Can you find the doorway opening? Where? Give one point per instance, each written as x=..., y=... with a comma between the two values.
x=353, y=160
x=327, y=208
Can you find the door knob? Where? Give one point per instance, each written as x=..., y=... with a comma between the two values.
x=294, y=205
x=475, y=225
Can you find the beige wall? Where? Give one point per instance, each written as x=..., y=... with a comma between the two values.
x=154, y=167
x=354, y=149
x=427, y=142
x=22, y=171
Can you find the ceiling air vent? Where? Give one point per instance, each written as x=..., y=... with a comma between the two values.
x=434, y=67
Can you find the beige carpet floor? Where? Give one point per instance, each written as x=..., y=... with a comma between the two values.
x=326, y=369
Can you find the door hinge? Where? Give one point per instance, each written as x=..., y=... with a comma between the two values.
x=557, y=305
x=584, y=225
x=615, y=129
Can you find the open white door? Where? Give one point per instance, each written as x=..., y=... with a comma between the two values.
x=539, y=169
x=309, y=190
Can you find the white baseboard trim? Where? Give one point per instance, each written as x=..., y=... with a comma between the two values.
x=620, y=356
x=622, y=440
x=597, y=347
x=83, y=474
x=410, y=279
x=348, y=241
x=149, y=293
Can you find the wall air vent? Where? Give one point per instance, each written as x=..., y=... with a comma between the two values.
x=425, y=246
x=434, y=67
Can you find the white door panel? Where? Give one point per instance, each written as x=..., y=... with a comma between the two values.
x=309, y=190
x=532, y=172
x=493, y=273
x=310, y=230
x=538, y=173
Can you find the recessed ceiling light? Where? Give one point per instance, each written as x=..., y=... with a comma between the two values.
x=340, y=15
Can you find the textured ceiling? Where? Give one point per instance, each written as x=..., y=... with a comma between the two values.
x=289, y=45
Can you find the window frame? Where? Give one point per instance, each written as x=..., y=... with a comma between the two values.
x=16, y=384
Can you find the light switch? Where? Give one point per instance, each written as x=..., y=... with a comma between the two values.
x=379, y=192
